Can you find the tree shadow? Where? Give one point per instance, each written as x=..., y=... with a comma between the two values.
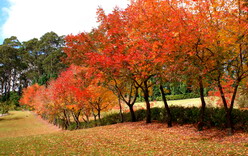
x=2, y=118
x=10, y=119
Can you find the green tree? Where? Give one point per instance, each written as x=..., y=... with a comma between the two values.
x=43, y=57
x=11, y=68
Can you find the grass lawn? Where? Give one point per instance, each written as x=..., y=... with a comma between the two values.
x=24, y=134
x=22, y=123
x=194, y=102
x=185, y=102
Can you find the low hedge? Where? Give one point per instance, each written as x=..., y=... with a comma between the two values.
x=171, y=97
x=179, y=96
x=182, y=96
x=214, y=117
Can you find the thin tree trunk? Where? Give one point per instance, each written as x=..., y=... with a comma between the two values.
x=203, y=106
x=169, y=119
x=94, y=117
x=99, y=116
x=76, y=118
x=66, y=120
x=148, y=107
x=87, y=118
x=133, y=117
x=234, y=95
x=228, y=112
x=121, y=114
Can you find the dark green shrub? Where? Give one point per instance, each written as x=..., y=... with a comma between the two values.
x=111, y=119
x=159, y=98
x=140, y=114
x=191, y=115
x=214, y=117
x=127, y=117
x=182, y=96
x=177, y=114
x=90, y=124
x=183, y=115
x=72, y=126
x=240, y=119
x=157, y=114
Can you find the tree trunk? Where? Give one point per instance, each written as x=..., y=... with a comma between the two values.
x=121, y=114
x=94, y=117
x=203, y=106
x=229, y=124
x=169, y=116
x=133, y=117
x=148, y=107
x=87, y=118
x=99, y=116
x=76, y=118
x=234, y=95
x=66, y=120
x=229, y=112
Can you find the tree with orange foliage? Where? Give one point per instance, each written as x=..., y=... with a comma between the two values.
x=28, y=95
x=126, y=92
x=101, y=99
x=122, y=47
x=202, y=40
x=216, y=33
x=69, y=94
x=229, y=47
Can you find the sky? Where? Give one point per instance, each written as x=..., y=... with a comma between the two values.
x=28, y=19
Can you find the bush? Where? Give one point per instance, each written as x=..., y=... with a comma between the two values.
x=157, y=114
x=140, y=115
x=111, y=119
x=6, y=106
x=240, y=119
x=214, y=117
x=72, y=126
x=182, y=96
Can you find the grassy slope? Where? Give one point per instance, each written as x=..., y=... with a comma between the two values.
x=120, y=139
x=24, y=123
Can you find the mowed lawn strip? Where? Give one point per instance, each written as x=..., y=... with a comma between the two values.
x=23, y=123
x=125, y=139
x=193, y=102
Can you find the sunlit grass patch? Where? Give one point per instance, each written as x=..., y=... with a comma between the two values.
x=22, y=123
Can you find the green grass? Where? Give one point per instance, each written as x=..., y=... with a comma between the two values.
x=194, y=102
x=185, y=102
x=22, y=123
x=120, y=139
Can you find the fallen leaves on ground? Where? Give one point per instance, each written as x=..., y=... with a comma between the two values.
x=136, y=138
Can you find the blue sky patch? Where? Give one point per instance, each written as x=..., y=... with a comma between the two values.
x=4, y=4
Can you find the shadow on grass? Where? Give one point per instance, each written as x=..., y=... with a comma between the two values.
x=11, y=119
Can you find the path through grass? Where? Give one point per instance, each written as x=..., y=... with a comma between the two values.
x=23, y=123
